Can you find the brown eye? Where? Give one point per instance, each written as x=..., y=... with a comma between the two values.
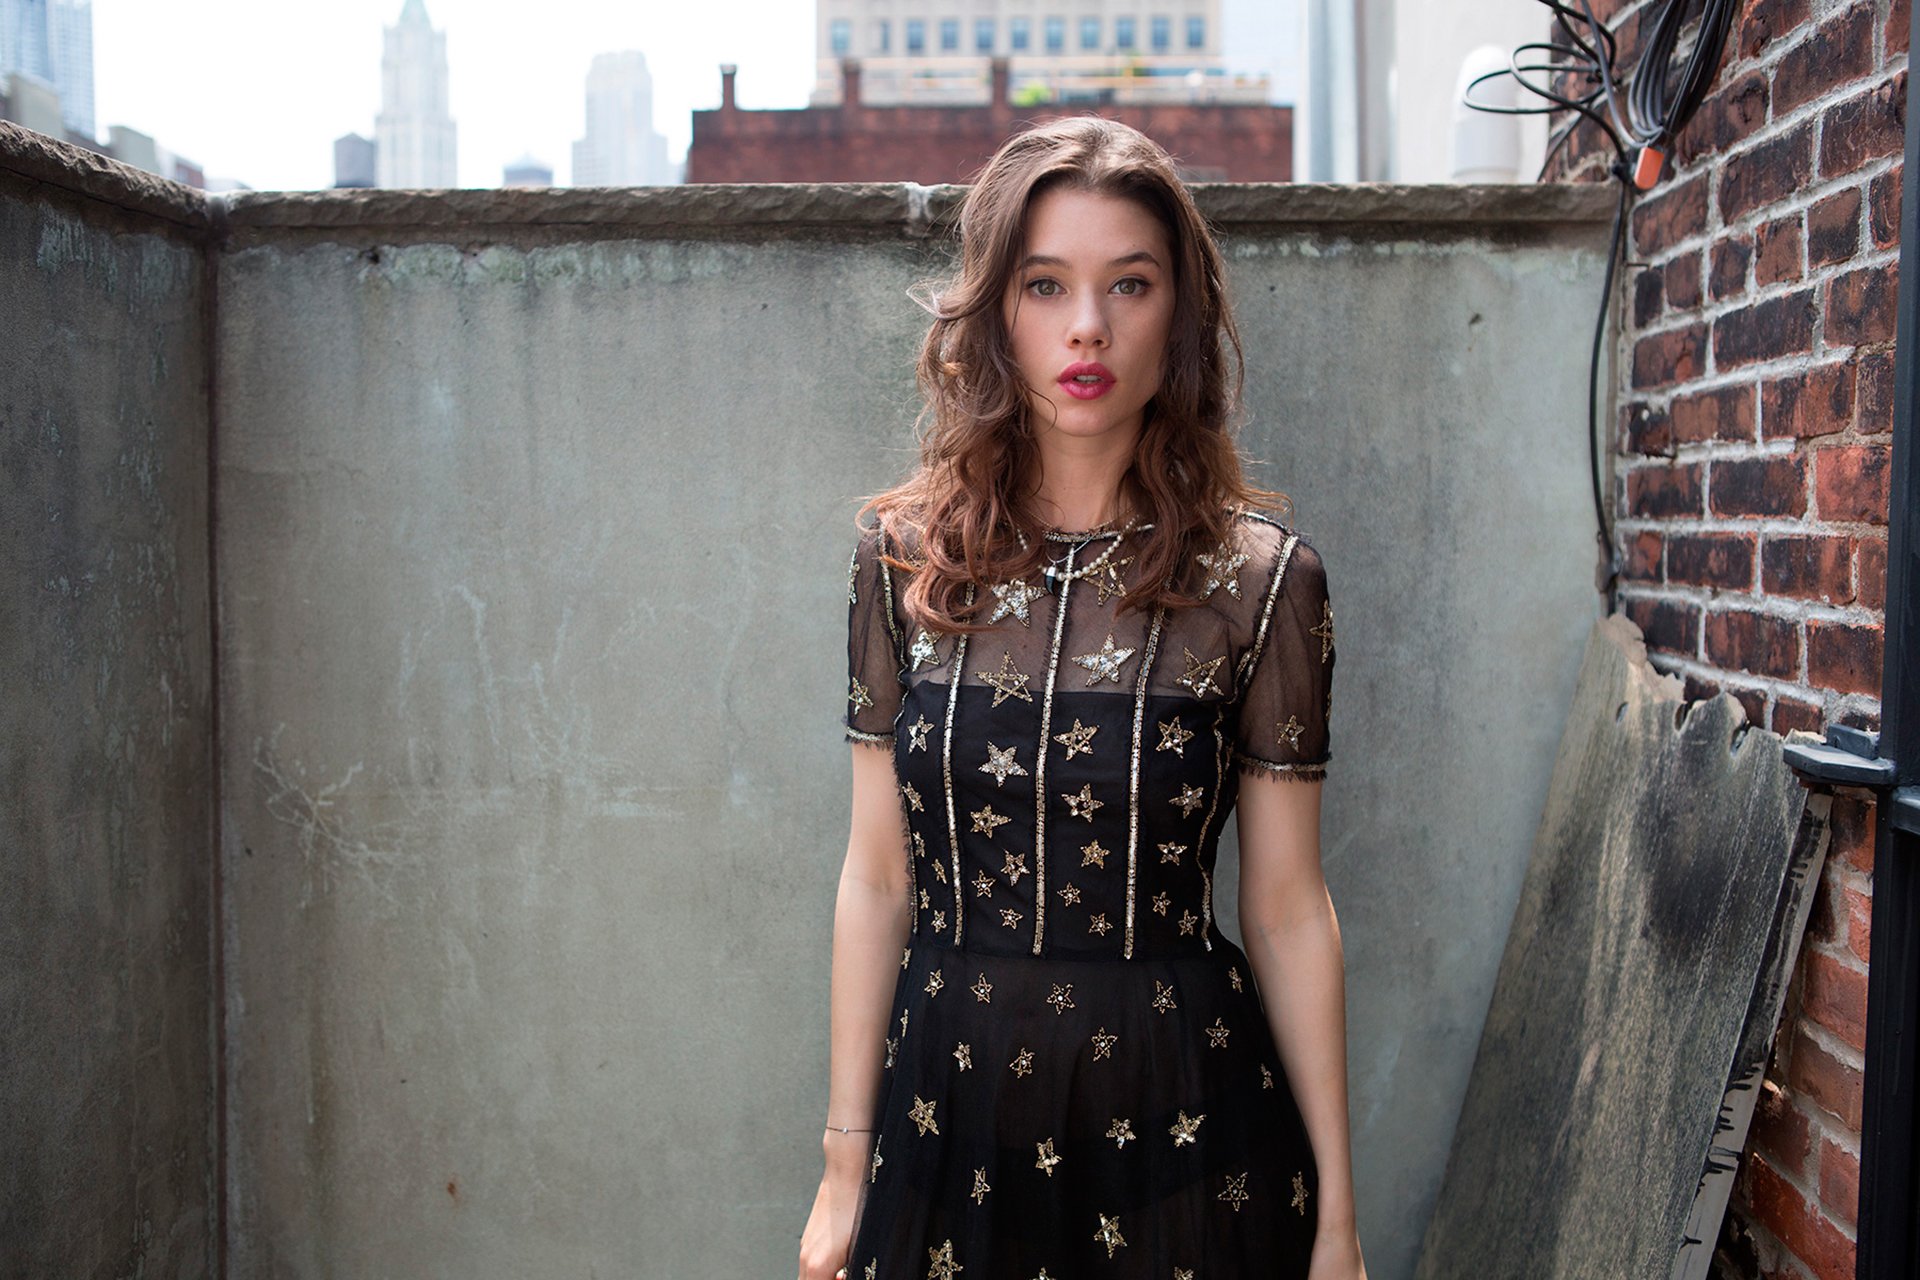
x=1035, y=285
x=1140, y=286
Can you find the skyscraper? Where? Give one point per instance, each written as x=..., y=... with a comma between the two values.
x=414, y=132
x=52, y=41
x=621, y=147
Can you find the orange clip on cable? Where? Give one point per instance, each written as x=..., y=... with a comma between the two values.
x=1646, y=171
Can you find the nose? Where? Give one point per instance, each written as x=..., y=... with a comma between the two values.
x=1088, y=325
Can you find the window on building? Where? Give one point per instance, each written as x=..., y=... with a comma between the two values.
x=949, y=35
x=1162, y=34
x=1196, y=33
x=842, y=37
x=1123, y=33
x=1019, y=34
x=882, y=35
x=916, y=36
x=983, y=35
x=1089, y=33
x=1056, y=35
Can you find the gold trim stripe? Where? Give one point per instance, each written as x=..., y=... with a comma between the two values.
x=1133, y=779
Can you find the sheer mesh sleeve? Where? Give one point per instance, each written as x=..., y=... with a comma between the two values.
x=874, y=685
x=1287, y=696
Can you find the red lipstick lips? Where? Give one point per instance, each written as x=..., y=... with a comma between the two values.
x=1086, y=380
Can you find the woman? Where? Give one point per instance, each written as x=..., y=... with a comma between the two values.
x=1046, y=1060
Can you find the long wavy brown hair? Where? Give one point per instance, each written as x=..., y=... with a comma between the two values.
x=960, y=515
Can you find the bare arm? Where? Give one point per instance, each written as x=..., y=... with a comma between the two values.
x=1293, y=942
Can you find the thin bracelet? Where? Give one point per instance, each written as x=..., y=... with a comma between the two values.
x=837, y=1129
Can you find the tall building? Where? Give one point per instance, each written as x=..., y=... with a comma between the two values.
x=52, y=41
x=622, y=148
x=355, y=161
x=1061, y=51
x=414, y=132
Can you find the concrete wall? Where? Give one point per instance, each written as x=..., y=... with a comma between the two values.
x=533, y=589
x=106, y=1066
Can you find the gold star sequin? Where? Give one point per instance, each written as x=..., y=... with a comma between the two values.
x=1325, y=629
x=1189, y=799
x=1161, y=902
x=1014, y=867
x=873, y=1169
x=980, y=1187
x=1290, y=732
x=1174, y=737
x=982, y=990
x=921, y=1113
x=1103, y=1043
x=906, y=956
x=1077, y=739
x=873, y=1265
x=985, y=820
x=912, y=795
x=982, y=885
x=1014, y=597
x=1001, y=764
x=1121, y=1131
x=903, y=1021
x=1163, y=997
x=893, y=1047
x=1236, y=1192
x=1099, y=925
x=1047, y=1157
x=934, y=983
x=1179, y=1273
x=1008, y=682
x=1187, y=921
x=917, y=734
x=1094, y=855
x=1022, y=1063
x=1109, y=1234
x=1108, y=582
x=1300, y=1195
x=963, y=1054
x=1217, y=1034
x=1223, y=570
x=1199, y=675
x=940, y=1264
x=939, y=921
x=939, y=867
x=925, y=902
x=1170, y=852
x=1069, y=895
x=858, y=695
x=1186, y=1129
x=1233, y=976
x=922, y=650
x=1082, y=804
x=1062, y=998
x=1106, y=664
x=1009, y=917
x=1266, y=1077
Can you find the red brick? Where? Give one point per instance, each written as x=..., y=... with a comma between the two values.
x=1676, y=355
x=1850, y=825
x=1845, y=657
x=1771, y=171
x=1835, y=53
x=1811, y=566
x=1643, y=557
x=1665, y=220
x=1724, y=119
x=1776, y=251
x=1859, y=924
x=1870, y=571
x=1840, y=1182
x=1658, y=491
x=1780, y=1207
x=1836, y=998
x=1725, y=413
x=1728, y=275
x=1770, y=486
x=1669, y=625
x=1648, y=296
x=1780, y=1130
x=1742, y=640
x=1860, y=305
x=1824, y=1080
x=1850, y=482
x=1833, y=228
x=1647, y=431
x=1883, y=208
x=1865, y=127
x=1682, y=281
x=1814, y=402
x=1791, y=713
x=1711, y=559
x=1876, y=393
x=1766, y=21
x=1774, y=327
x=1899, y=29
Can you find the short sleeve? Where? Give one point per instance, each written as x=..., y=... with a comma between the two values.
x=874, y=683
x=1286, y=696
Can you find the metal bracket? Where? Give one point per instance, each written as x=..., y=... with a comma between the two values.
x=1851, y=758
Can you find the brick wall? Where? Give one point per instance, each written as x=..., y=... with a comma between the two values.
x=1751, y=467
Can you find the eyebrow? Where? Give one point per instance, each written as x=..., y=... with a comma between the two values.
x=1046, y=260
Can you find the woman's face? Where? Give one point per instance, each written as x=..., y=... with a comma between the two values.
x=1089, y=309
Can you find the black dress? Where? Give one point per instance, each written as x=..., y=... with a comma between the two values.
x=1080, y=1080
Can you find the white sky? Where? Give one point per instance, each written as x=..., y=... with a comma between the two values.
x=258, y=92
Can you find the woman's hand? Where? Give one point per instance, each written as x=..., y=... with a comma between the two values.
x=1336, y=1255
x=829, y=1232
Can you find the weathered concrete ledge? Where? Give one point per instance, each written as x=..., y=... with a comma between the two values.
x=39, y=159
